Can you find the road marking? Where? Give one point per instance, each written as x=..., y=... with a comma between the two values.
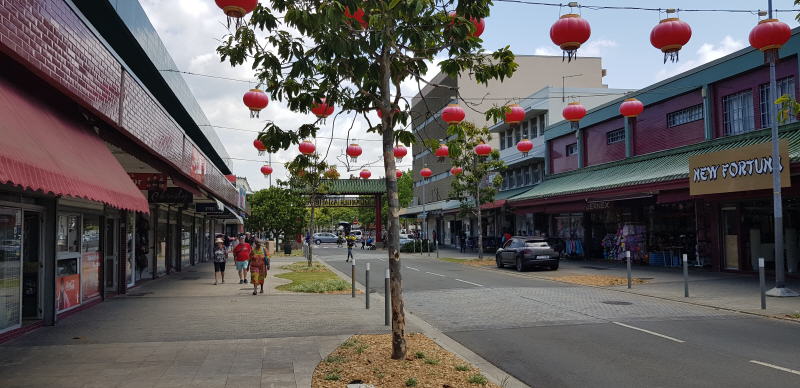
x=775, y=367
x=474, y=284
x=415, y=269
x=381, y=259
x=649, y=332
x=434, y=274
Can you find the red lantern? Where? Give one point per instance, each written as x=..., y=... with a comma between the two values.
x=398, y=174
x=525, y=146
x=480, y=25
x=365, y=174
x=769, y=35
x=631, y=107
x=442, y=152
x=483, y=149
x=380, y=112
x=256, y=100
x=353, y=151
x=236, y=9
x=306, y=147
x=669, y=35
x=259, y=146
x=322, y=109
x=515, y=115
x=399, y=152
x=425, y=172
x=574, y=111
x=453, y=114
x=569, y=32
x=456, y=170
x=357, y=16
x=266, y=170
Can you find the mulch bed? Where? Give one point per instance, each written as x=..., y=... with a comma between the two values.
x=597, y=280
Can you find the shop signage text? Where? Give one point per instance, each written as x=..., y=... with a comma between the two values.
x=336, y=201
x=600, y=205
x=739, y=169
x=149, y=181
x=171, y=195
x=208, y=207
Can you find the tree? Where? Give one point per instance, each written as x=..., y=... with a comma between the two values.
x=479, y=181
x=312, y=51
x=278, y=210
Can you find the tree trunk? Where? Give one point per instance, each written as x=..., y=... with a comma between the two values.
x=480, y=221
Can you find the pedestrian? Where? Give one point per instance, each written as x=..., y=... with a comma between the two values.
x=351, y=242
x=241, y=254
x=249, y=238
x=220, y=257
x=363, y=242
x=339, y=240
x=259, y=265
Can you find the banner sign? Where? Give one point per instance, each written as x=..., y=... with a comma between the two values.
x=208, y=207
x=198, y=166
x=149, y=181
x=90, y=274
x=339, y=201
x=174, y=195
x=738, y=169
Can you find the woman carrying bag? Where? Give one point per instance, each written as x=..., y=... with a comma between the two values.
x=259, y=265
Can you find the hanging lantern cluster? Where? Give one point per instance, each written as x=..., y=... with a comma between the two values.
x=483, y=149
x=453, y=114
x=357, y=16
x=569, y=32
x=255, y=100
x=525, y=146
x=260, y=147
x=398, y=174
x=768, y=36
x=425, y=172
x=442, y=152
x=365, y=174
x=456, y=170
x=353, y=151
x=236, y=9
x=670, y=35
x=399, y=152
x=306, y=147
x=631, y=107
x=515, y=115
x=479, y=24
x=322, y=109
x=266, y=170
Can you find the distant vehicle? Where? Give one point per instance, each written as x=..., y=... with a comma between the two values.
x=324, y=237
x=358, y=233
x=524, y=252
x=405, y=239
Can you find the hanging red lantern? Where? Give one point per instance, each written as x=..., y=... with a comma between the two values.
x=483, y=149
x=456, y=170
x=631, y=107
x=574, y=111
x=380, y=112
x=425, y=172
x=266, y=170
x=353, y=151
x=236, y=9
x=569, y=32
x=398, y=174
x=442, y=152
x=453, y=114
x=357, y=16
x=306, y=147
x=515, y=115
x=769, y=35
x=525, y=146
x=399, y=152
x=256, y=100
x=365, y=174
x=322, y=109
x=259, y=146
x=479, y=24
x=670, y=35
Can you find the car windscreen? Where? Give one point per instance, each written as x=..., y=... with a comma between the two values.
x=537, y=244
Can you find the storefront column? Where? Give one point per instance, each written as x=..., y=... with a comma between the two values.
x=154, y=210
x=48, y=286
x=708, y=112
x=122, y=282
x=628, y=136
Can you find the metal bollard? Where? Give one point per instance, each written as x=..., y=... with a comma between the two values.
x=685, y=276
x=353, y=276
x=628, y=259
x=387, y=308
x=367, y=286
x=763, y=283
x=436, y=247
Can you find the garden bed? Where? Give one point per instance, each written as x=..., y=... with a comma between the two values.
x=314, y=279
x=474, y=262
x=597, y=280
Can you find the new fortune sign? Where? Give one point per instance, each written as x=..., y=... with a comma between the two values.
x=738, y=169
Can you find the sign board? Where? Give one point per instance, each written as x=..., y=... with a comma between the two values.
x=198, y=166
x=342, y=201
x=738, y=169
x=174, y=195
x=149, y=181
x=599, y=205
x=209, y=207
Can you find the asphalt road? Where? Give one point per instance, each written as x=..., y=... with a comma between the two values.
x=548, y=334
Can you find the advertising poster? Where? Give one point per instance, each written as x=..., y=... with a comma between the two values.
x=198, y=167
x=90, y=268
x=68, y=291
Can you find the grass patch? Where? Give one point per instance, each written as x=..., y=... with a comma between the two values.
x=477, y=379
x=412, y=382
x=302, y=266
x=333, y=376
x=794, y=316
x=314, y=279
x=334, y=358
x=431, y=361
x=295, y=253
x=462, y=368
x=361, y=348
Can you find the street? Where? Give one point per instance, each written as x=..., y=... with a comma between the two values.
x=549, y=334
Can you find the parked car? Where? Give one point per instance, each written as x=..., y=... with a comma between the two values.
x=523, y=252
x=324, y=237
x=405, y=239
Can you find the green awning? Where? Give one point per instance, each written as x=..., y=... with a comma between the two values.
x=656, y=167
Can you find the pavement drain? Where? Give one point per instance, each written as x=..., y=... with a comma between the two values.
x=617, y=302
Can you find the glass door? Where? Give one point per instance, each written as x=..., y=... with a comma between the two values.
x=730, y=232
x=32, y=265
x=68, y=256
x=110, y=254
x=10, y=268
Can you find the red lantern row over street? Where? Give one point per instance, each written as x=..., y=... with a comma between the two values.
x=483, y=149
x=769, y=35
x=442, y=152
x=574, y=111
x=631, y=107
x=266, y=170
x=255, y=100
x=357, y=16
x=365, y=174
x=480, y=25
x=322, y=109
x=525, y=146
x=456, y=170
x=569, y=32
x=399, y=152
x=259, y=146
x=453, y=114
x=398, y=174
x=306, y=147
x=425, y=172
x=236, y=9
x=353, y=151
x=670, y=35
x=515, y=115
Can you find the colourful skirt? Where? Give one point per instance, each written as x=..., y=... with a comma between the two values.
x=257, y=275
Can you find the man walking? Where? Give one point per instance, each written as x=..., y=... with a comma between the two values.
x=351, y=242
x=241, y=254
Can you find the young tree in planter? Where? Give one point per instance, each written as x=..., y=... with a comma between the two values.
x=478, y=180
x=306, y=173
x=318, y=49
x=278, y=210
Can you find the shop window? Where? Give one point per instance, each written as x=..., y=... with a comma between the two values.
x=572, y=149
x=785, y=86
x=519, y=175
x=517, y=133
x=511, y=181
x=10, y=268
x=615, y=136
x=90, y=257
x=527, y=175
x=686, y=115
x=542, y=124
x=737, y=113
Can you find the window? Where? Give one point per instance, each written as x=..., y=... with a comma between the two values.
x=534, y=127
x=572, y=149
x=524, y=130
x=517, y=133
x=519, y=177
x=509, y=140
x=542, y=124
x=505, y=181
x=502, y=140
x=785, y=86
x=737, y=113
x=615, y=136
x=683, y=116
x=527, y=174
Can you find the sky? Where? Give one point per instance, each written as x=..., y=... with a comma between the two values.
x=192, y=29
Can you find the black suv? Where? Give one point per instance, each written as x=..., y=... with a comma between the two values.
x=524, y=252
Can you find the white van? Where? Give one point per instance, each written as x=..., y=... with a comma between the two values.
x=357, y=232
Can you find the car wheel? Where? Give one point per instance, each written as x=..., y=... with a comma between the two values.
x=554, y=267
x=318, y=241
x=519, y=265
x=499, y=261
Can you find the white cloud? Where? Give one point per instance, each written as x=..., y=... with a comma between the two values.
x=547, y=50
x=592, y=48
x=706, y=53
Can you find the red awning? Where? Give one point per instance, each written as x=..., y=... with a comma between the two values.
x=43, y=149
x=494, y=204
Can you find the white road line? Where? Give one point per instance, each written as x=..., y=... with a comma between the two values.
x=381, y=259
x=415, y=269
x=474, y=284
x=649, y=332
x=434, y=274
x=775, y=367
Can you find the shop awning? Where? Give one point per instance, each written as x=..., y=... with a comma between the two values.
x=43, y=149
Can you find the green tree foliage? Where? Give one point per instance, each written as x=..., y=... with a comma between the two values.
x=278, y=210
x=304, y=51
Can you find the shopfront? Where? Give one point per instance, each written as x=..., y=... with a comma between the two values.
x=20, y=266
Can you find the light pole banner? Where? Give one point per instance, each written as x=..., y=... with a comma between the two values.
x=738, y=169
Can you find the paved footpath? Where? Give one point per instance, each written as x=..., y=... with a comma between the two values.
x=183, y=331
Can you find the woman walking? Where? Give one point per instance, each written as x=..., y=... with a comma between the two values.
x=220, y=256
x=259, y=265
